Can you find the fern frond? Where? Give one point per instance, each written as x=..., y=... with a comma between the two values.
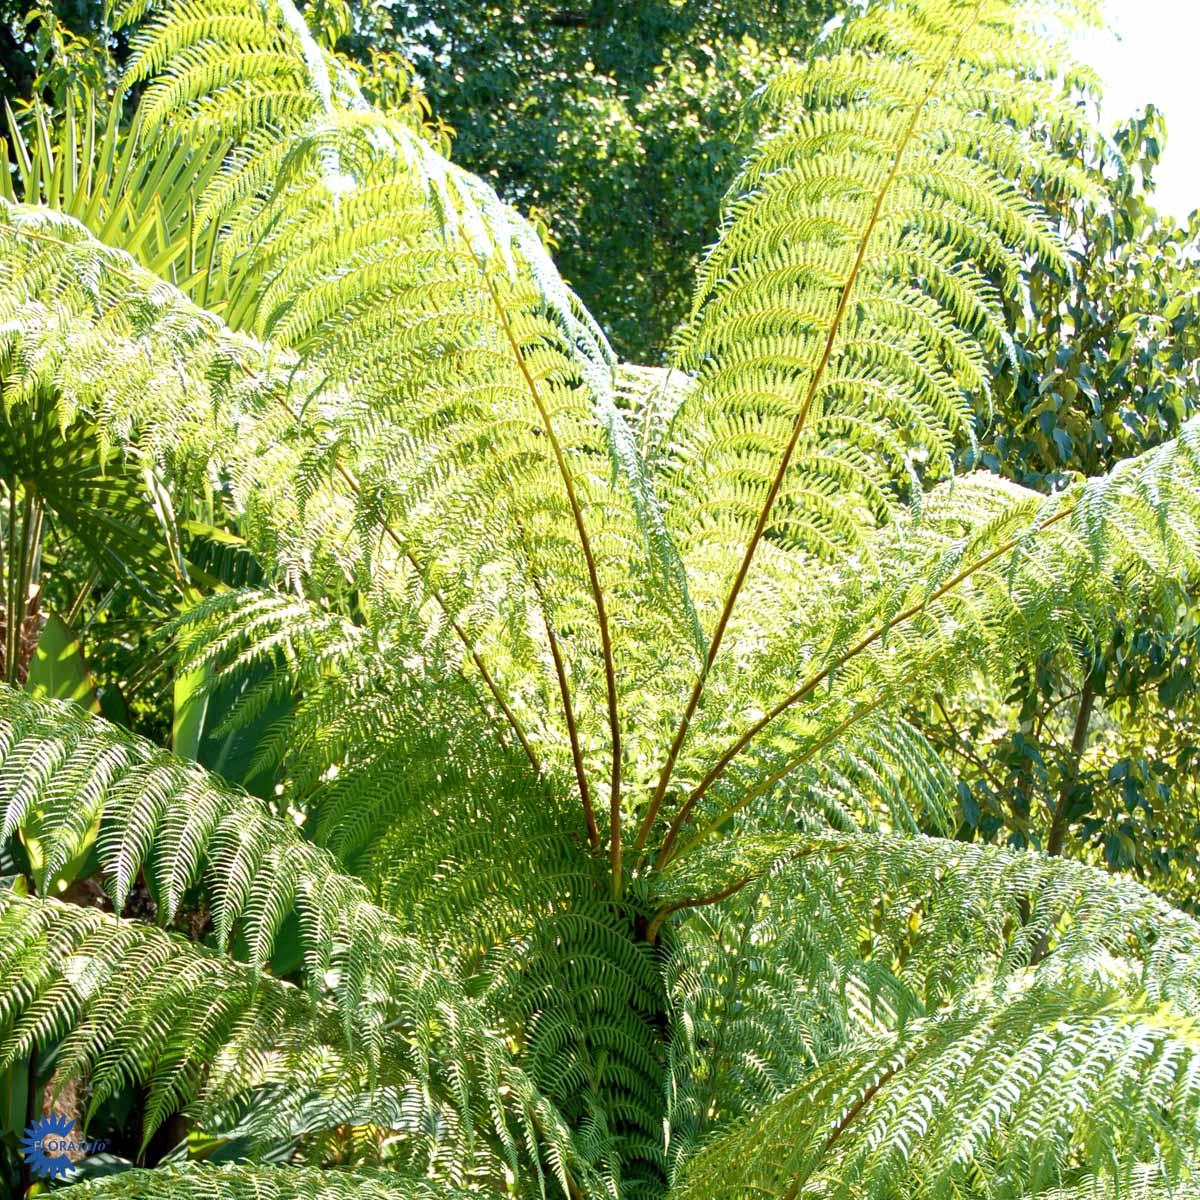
x=333, y=478
x=583, y=996
x=64, y=770
x=986, y=574
x=61, y=771
x=650, y=396
x=891, y=928
x=197, y=1181
x=1010, y=1092
x=101, y=501
x=133, y=1004
x=1141, y=1183
x=396, y=770
x=471, y=519
x=146, y=342
x=406, y=285
x=850, y=306
x=948, y=915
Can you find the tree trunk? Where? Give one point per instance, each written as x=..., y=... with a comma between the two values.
x=1061, y=821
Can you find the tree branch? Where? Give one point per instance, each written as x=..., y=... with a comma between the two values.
x=1060, y=822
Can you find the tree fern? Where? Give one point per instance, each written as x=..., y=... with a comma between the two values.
x=595, y=858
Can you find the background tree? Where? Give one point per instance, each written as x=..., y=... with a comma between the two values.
x=1092, y=753
x=48, y=47
x=621, y=124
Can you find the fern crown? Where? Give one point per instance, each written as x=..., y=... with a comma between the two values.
x=599, y=857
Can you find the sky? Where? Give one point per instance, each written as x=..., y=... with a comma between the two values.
x=1156, y=61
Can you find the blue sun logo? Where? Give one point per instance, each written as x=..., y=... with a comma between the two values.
x=45, y=1144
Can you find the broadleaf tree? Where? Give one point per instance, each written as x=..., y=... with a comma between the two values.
x=1089, y=752
x=600, y=859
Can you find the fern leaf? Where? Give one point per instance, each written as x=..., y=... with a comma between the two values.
x=1019, y=1087
x=987, y=573
x=850, y=307
x=238, y=1182
x=133, y=1004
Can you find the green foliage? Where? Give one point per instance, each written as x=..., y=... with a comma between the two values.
x=1090, y=751
x=372, y=990
x=622, y=125
x=587, y=854
x=268, y=1183
x=52, y=49
x=1107, y=353
x=58, y=670
x=99, y=501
